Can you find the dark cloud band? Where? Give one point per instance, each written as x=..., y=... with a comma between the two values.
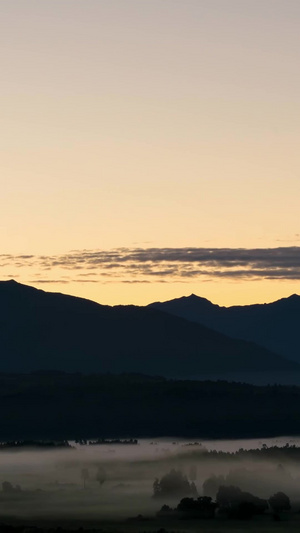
x=165, y=264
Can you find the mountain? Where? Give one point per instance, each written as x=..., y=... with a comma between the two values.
x=274, y=326
x=42, y=331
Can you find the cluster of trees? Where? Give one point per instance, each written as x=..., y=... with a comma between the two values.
x=238, y=504
x=266, y=478
x=8, y=488
x=34, y=444
x=230, y=501
x=85, y=442
x=273, y=453
x=190, y=508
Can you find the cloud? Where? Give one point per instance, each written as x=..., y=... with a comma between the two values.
x=162, y=264
x=36, y=281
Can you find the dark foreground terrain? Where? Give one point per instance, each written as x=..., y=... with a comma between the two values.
x=72, y=406
x=264, y=524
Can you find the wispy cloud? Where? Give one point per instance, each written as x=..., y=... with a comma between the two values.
x=128, y=265
x=37, y=280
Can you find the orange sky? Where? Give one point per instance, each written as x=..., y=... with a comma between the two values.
x=141, y=125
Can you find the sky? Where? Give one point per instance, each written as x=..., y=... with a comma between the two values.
x=149, y=148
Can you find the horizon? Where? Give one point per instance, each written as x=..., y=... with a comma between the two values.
x=122, y=276
x=63, y=293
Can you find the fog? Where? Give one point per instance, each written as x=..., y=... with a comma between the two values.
x=116, y=481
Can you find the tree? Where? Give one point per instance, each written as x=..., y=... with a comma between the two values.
x=193, y=472
x=165, y=512
x=101, y=475
x=202, y=507
x=211, y=485
x=85, y=475
x=173, y=485
x=7, y=486
x=280, y=502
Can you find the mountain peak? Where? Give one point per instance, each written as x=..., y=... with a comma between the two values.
x=189, y=303
x=291, y=302
x=194, y=297
x=191, y=299
x=12, y=284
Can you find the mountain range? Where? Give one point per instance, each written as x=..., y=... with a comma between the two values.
x=274, y=326
x=44, y=331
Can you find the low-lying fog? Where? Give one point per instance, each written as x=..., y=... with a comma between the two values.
x=116, y=481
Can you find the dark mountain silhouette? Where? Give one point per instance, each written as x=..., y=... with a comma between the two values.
x=41, y=331
x=274, y=326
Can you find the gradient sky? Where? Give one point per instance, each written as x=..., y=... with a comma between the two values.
x=144, y=143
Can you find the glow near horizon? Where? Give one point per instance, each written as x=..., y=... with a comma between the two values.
x=150, y=124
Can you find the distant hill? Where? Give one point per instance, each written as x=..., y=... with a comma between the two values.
x=42, y=331
x=68, y=406
x=274, y=326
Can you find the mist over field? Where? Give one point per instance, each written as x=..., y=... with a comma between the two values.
x=115, y=482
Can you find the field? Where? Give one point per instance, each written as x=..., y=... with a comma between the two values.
x=110, y=487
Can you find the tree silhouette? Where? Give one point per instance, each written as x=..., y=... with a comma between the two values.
x=173, y=485
x=202, y=507
x=211, y=485
x=280, y=502
x=85, y=475
x=101, y=475
x=239, y=504
x=9, y=488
